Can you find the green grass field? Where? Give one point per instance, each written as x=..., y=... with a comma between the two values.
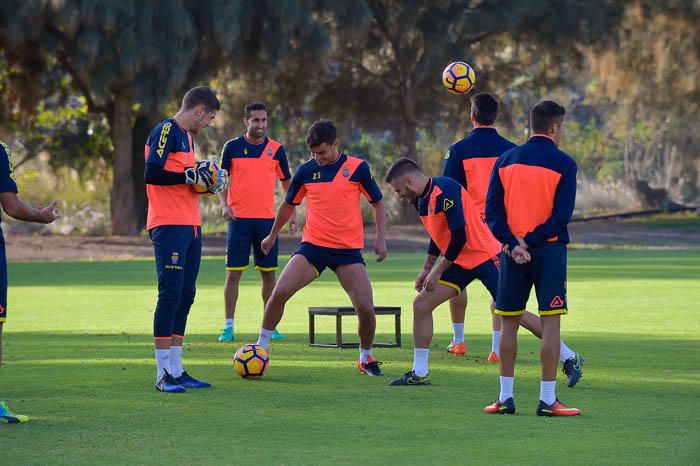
x=79, y=361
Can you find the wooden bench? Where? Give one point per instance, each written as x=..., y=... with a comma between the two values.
x=341, y=311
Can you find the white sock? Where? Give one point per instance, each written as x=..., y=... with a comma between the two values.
x=547, y=392
x=264, y=337
x=365, y=354
x=506, y=389
x=162, y=362
x=495, y=340
x=176, y=361
x=565, y=352
x=420, y=361
x=229, y=324
x=458, y=330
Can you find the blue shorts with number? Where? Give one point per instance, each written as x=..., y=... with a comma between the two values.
x=320, y=257
x=487, y=272
x=546, y=271
x=244, y=233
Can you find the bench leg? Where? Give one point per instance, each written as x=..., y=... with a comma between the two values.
x=312, y=329
x=338, y=331
x=398, y=329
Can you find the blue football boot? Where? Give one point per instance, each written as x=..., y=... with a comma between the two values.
x=168, y=384
x=226, y=335
x=573, y=368
x=277, y=335
x=7, y=416
x=187, y=381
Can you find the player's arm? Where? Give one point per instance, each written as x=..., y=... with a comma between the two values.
x=453, y=167
x=295, y=194
x=226, y=210
x=371, y=191
x=20, y=210
x=293, y=225
x=496, y=211
x=562, y=210
x=430, y=259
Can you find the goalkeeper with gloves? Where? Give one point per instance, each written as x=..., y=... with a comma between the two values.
x=174, y=226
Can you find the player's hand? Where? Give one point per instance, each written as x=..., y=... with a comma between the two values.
x=506, y=250
x=520, y=255
x=267, y=244
x=227, y=212
x=380, y=249
x=420, y=279
x=521, y=242
x=293, y=225
x=50, y=212
x=431, y=280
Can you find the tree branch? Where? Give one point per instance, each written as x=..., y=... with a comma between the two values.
x=80, y=84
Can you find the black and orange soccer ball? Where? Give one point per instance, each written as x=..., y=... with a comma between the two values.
x=458, y=78
x=251, y=361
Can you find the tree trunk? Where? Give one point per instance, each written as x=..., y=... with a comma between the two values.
x=125, y=213
x=407, y=143
x=140, y=131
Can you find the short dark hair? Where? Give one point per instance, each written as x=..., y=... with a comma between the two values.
x=545, y=114
x=321, y=131
x=401, y=167
x=251, y=107
x=201, y=95
x=485, y=108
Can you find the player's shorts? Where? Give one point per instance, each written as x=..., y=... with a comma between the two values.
x=458, y=278
x=3, y=279
x=244, y=233
x=546, y=271
x=320, y=257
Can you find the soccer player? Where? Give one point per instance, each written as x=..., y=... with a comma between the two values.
x=457, y=232
x=470, y=162
x=254, y=162
x=174, y=226
x=333, y=236
x=18, y=209
x=530, y=201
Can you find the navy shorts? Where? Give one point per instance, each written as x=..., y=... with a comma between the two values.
x=3, y=279
x=244, y=233
x=320, y=257
x=458, y=278
x=546, y=271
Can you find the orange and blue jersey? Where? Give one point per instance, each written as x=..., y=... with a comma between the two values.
x=532, y=194
x=332, y=192
x=445, y=207
x=254, y=170
x=471, y=160
x=172, y=148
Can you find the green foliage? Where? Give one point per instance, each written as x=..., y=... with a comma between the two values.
x=63, y=357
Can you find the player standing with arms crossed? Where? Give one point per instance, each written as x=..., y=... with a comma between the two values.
x=254, y=161
x=530, y=201
x=17, y=209
x=174, y=225
x=333, y=236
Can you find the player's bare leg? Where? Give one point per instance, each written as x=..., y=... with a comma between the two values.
x=296, y=275
x=508, y=345
x=423, y=306
x=269, y=279
x=458, y=311
x=231, y=283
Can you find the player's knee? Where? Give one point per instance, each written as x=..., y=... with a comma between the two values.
x=421, y=306
x=365, y=310
x=281, y=294
x=233, y=277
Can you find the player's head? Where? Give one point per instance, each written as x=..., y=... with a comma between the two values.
x=255, y=120
x=199, y=105
x=484, y=109
x=547, y=117
x=406, y=179
x=322, y=139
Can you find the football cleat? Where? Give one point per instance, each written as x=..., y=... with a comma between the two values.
x=226, y=335
x=7, y=416
x=556, y=409
x=168, y=384
x=493, y=357
x=187, y=381
x=411, y=378
x=277, y=335
x=458, y=350
x=371, y=367
x=507, y=407
x=573, y=368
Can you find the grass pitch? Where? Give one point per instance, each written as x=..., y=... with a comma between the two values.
x=79, y=362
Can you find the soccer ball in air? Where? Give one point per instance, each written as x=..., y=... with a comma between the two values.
x=251, y=361
x=458, y=77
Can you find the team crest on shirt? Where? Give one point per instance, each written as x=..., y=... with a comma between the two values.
x=447, y=156
x=346, y=172
x=175, y=257
x=245, y=151
x=269, y=151
x=447, y=204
